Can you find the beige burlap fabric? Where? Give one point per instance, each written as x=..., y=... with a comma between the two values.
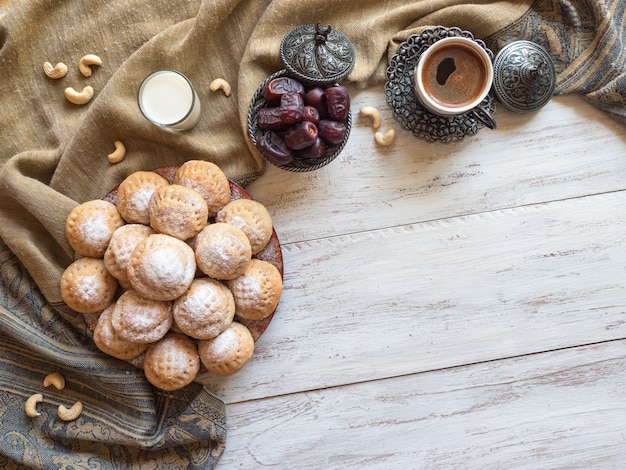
x=53, y=156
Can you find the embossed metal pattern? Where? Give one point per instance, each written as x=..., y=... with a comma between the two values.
x=317, y=53
x=297, y=165
x=524, y=76
x=402, y=97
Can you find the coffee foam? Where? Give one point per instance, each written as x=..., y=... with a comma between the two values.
x=454, y=76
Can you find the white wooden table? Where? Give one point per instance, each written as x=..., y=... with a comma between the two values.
x=445, y=306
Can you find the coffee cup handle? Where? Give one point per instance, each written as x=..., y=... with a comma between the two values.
x=484, y=117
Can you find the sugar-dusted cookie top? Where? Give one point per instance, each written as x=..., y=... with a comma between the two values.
x=208, y=179
x=222, y=251
x=140, y=320
x=205, y=310
x=177, y=211
x=229, y=352
x=250, y=216
x=161, y=267
x=134, y=194
x=123, y=242
x=108, y=341
x=172, y=362
x=87, y=287
x=90, y=225
x=257, y=291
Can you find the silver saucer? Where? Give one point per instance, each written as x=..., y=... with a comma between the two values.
x=402, y=98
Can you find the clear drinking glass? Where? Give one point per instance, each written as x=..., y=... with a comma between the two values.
x=167, y=98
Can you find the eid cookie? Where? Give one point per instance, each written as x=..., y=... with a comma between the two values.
x=172, y=362
x=207, y=179
x=90, y=225
x=140, y=320
x=257, y=291
x=134, y=194
x=205, y=310
x=178, y=211
x=161, y=267
x=108, y=341
x=250, y=216
x=87, y=287
x=222, y=251
x=229, y=352
x=123, y=242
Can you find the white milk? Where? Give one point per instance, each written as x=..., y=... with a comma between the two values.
x=168, y=99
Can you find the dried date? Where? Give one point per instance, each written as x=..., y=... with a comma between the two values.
x=269, y=119
x=337, y=102
x=309, y=113
x=273, y=147
x=302, y=135
x=333, y=132
x=291, y=108
x=315, y=97
x=313, y=152
x=280, y=86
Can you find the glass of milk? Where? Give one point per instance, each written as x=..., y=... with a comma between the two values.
x=167, y=98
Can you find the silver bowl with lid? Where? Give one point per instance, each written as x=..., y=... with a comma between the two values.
x=317, y=56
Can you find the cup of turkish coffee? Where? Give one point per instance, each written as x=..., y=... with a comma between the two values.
x=453, y=76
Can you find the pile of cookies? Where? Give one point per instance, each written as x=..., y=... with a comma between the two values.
x=168, y=267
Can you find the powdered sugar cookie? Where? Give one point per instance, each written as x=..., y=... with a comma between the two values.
x=140, y=320
x=172, y=362
x=250, y=216
x=229, y=352
x=90, y=225
x=121, y=247
x=161, y=267
x=108, y=341
x=205, y=310
x=208, y=180
x=257, y=291
x=178, y=211
x=87, y=287
x=222, y=251
x=134, y=193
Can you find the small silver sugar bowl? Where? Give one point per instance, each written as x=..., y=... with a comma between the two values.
x=316, y=58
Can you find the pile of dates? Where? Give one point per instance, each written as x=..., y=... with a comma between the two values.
x=301, y=122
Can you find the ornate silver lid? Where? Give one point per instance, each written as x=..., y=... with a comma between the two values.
x=524, y=76
x=317, y=53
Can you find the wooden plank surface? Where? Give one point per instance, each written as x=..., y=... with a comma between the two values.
x=445, y=306
x=440, y=294
x=565, y=150
x=557, y=410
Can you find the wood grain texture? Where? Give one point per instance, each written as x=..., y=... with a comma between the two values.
x=568, y=149
x=562, y=409
x=439, y=294
x=445, y=306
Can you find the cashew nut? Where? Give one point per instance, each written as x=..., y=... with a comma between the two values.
x=118, y=154
x=79, y=97
x=220, y=84
x=72, y=413
x=385, y=139
x=57, y=71
x=85, y=63
x=30, y=407
x=55, y=379
x=372, y=113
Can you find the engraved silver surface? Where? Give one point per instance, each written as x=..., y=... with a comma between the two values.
x=317, y=53
x=402, y=97
x=524, y=76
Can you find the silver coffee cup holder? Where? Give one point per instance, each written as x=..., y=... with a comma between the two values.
x=407, y=109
